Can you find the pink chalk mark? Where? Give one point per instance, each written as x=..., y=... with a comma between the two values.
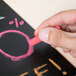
x=21, y=22
x=16, y=22
x=14, y=58
x=11, y=22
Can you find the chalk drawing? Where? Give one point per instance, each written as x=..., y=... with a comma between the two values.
x=57, y=66
x=16, y=22
x=42, y=72
x=14, y=58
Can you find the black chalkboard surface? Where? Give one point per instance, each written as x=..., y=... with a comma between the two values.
x=37, y=64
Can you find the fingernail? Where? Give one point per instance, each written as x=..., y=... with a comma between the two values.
x=43, y=34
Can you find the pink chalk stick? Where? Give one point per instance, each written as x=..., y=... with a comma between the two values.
x=58, y=27
x=35, y=41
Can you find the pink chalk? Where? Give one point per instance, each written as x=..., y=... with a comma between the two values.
x=58, y=27
x=35, y=41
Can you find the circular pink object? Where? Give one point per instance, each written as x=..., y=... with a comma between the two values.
x=14, y=58
x=21, y=22
x=11, y=22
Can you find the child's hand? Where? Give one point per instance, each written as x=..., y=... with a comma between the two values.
x=65, y=38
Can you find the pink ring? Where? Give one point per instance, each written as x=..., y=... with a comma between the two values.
x=14, y=58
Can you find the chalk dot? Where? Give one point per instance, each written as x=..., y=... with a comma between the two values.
x=11, y=22
x=21, y=22
x=64, y=73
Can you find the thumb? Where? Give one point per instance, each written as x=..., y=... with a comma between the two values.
x=58, y=38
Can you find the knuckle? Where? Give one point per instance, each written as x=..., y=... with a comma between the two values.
x=55, y=38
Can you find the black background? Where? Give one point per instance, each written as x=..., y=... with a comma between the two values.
x=16, y=45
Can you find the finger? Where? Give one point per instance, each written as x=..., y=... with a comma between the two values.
x=58, y=38
x=71, y=28
x=65, y=17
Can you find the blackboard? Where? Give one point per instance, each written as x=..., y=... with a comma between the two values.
x=17, y=45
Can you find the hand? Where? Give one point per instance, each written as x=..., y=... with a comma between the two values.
x=64, y=38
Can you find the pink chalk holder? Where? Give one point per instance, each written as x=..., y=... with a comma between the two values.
x=31, y=43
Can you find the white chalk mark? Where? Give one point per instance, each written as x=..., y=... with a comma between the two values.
x=1, y=17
